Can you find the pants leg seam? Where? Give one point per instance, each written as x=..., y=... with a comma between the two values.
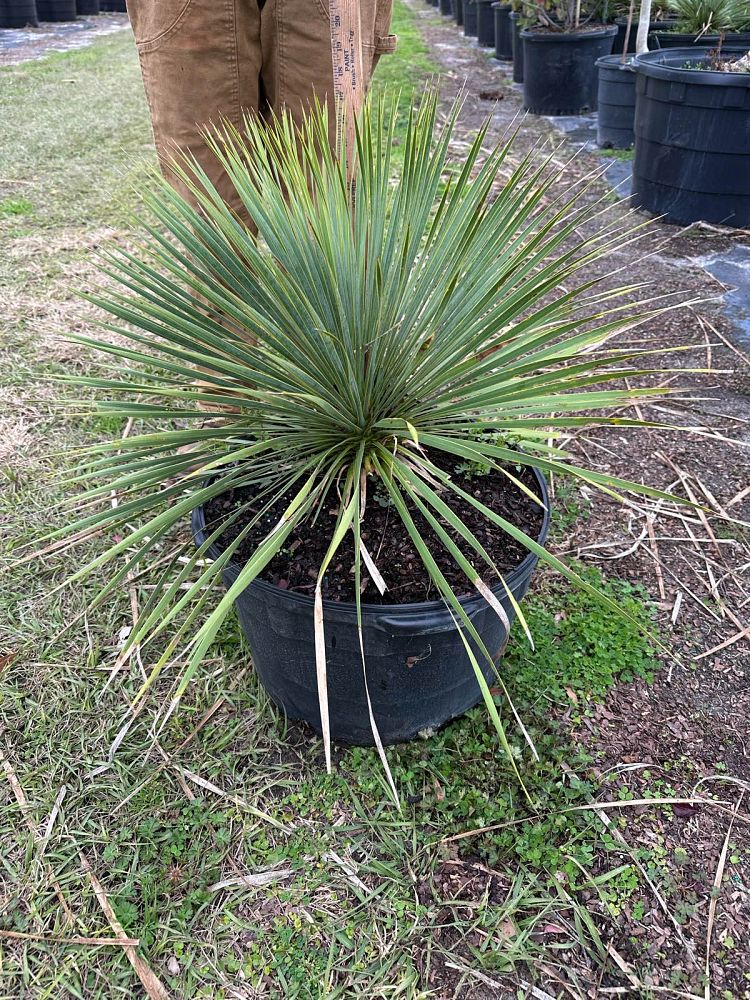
x=231, y=6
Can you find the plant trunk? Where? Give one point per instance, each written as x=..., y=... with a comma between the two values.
x=644, y=19
x=628, y=29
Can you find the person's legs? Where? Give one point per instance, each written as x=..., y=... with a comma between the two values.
x=201, y=61
x=296, y=45
x=204, y=60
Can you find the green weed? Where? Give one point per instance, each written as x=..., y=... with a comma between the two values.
x=15, y=206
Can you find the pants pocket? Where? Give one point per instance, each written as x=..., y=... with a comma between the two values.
x=154, y=21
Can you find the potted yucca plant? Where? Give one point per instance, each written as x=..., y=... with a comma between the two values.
x=706, y=23
x=392, y=360
x=560, y=47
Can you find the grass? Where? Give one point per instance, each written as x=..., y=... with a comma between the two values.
x=617, y=154
x=276, y=879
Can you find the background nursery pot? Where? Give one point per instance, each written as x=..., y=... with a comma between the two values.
x=692, y=144
x=418, y=673
x=56, y=10
x=622, y=29
x=503, y=31
x=485, y=23
x=616, y=101
x=18, y=14
x=517, y=45
x=471, y=25
x=560, y=75
x=665, y=39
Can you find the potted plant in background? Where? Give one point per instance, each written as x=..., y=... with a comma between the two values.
x=560, y=51
x=692, y=142
x=399, y=365
x=706, y=23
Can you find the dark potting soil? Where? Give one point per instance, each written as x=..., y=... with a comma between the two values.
x=387, y=540
x=582, y=29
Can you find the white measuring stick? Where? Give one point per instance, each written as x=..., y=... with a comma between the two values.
x=348, y=73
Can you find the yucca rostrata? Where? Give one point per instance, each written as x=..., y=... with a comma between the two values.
x=443, y=309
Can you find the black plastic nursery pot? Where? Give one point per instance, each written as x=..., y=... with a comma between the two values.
x=503, y=31
x=692, y=140
x=616, y=100
x=664, y=39
x=517, y=46
x=560, y=75
x=622, y=28
x=485, y=24
x=458, y=12
x=56, y=10
x=470, y=18
x=18, y=14
x=419, y=675
x=87, y=7
x=446, y=8
x=117, y=6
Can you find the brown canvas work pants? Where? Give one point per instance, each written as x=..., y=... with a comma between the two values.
x=203, y=60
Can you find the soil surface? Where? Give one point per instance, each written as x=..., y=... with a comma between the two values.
x=387, y=539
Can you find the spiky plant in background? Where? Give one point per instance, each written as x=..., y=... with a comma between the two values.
x=710, y=17
x=358, y=338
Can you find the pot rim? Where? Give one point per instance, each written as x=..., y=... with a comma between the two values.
x=198, y=525
x=614, y=61
x=652, y=64
x=699, y=37
x=599, y=31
